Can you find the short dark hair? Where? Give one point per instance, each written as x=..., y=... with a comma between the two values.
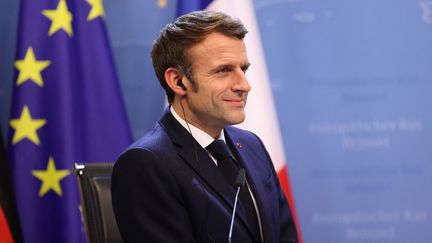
x=172, y=43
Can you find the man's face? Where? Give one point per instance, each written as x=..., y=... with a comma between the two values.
x=219, y=65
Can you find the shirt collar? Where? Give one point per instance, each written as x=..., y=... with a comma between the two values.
x=199, y=135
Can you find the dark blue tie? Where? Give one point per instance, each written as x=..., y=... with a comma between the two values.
x=226, y=163
x=229, y=167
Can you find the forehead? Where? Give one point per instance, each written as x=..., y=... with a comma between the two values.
x=218, y=48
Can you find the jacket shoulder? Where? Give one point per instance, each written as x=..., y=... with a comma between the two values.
x=243, y=135
x=156, y=141
x=154, y=147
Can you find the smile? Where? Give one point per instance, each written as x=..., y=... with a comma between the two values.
x=236, y=102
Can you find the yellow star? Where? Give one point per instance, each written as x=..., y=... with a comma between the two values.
x=26, y=127
x=50, y=178
x=162, y=3
x=97, y=9
x=60, y=18
x=30, y=68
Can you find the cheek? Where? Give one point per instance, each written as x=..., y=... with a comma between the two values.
x=203, y=101
x=217, y=99
x=212, y=96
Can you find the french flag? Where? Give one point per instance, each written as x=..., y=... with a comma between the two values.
x=261, y=117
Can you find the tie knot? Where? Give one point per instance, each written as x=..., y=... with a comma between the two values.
x=219, y=150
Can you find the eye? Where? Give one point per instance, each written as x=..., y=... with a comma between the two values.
x=224, y=70
x=245, y=68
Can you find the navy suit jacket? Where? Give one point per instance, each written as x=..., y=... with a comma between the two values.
x=165, y=188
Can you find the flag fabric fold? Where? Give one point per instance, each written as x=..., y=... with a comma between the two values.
x=261, y=116
x=66, y=108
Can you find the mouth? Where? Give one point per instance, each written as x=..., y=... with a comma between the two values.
x=236, y=102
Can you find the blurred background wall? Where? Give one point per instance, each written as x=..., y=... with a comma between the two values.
x=351, y=82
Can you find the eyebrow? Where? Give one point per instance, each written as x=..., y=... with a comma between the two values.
x=227, y=65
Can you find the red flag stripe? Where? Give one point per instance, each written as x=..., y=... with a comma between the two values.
x=286, y=187
x=5, y=234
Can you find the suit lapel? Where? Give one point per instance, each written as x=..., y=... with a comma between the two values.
x=197, y=158
x=208, y=172
x=254, y=180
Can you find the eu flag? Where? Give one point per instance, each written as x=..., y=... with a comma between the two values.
x=187, y=6
x=66, y=108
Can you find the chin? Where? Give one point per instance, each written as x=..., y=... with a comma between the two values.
x=236, y=120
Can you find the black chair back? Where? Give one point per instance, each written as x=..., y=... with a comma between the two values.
x=94, y=180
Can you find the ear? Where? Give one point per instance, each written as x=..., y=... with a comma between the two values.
x=172, y=76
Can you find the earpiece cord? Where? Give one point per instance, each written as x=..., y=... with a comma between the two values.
x=198, y=164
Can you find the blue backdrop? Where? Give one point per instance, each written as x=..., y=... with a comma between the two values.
x=351, y=82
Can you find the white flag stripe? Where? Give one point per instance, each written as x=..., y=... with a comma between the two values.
x=261, y=115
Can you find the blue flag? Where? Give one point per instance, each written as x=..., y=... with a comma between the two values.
x=187, y=6
x=66, y=108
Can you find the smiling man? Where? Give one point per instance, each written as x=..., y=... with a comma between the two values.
x=177, y=183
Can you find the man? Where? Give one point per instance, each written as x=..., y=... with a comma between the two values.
x=176, y=184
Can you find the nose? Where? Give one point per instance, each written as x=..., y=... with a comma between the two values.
x=241, y=83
